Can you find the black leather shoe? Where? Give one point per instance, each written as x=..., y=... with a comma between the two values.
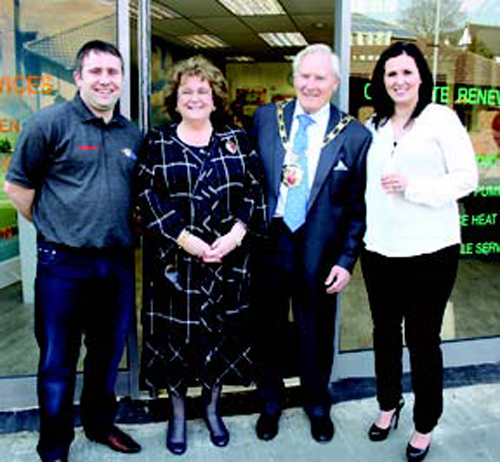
x=322, y=428
x=267, y=426
x=380, y=434
x=414, y=454
x=117, y=440
x=61, y=458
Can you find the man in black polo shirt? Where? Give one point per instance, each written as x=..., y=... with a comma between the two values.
x=71, y=175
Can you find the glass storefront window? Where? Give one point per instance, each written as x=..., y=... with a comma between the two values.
x=466, y=64
x=38, y=43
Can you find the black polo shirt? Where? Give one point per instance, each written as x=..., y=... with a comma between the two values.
x=81, y=169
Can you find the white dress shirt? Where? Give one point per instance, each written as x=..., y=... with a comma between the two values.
x=437, y=158
x=315, y=135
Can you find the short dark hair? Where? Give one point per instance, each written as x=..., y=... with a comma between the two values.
x=96, y=46
x=201, y=67
x=382, y=102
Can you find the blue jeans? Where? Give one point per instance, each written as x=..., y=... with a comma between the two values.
x=79, y=291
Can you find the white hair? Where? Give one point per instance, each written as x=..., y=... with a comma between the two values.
x=316, y=48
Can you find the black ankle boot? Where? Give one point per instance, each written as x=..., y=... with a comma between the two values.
x=219, y=435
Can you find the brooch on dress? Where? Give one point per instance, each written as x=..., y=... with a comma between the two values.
x=231, y=146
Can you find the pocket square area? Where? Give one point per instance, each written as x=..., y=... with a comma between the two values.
x=340, y=166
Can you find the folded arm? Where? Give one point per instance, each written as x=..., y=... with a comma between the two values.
x=22, y=198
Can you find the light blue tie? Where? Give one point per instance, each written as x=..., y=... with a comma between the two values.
x=296, y=199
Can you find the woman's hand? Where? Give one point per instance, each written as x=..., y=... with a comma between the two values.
x=225, y=244
x=394, y=183
x=192, y=244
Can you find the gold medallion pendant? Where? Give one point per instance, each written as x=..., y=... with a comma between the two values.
x=291, y=175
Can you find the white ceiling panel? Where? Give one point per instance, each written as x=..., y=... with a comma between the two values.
x=224, y=26
x=178, y=26
x=308, y=6
x=314, y=19
x=280, y=23
x=196, y=8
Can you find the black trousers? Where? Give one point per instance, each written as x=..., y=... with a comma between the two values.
x=416, y=290
x=278, y=279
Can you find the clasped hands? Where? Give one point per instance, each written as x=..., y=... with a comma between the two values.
x=215, y=252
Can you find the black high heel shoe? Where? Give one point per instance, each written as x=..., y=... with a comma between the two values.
x=414, y=454
x=380, y=434
x=177, y=447
x=176, y=432
x=219, y=435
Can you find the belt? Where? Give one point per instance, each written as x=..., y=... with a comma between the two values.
x=83, y=250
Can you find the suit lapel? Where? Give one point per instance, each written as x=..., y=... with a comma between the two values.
x=328, y=157
x=279, y=158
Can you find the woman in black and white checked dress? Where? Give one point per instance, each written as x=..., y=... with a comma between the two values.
x=199, y=196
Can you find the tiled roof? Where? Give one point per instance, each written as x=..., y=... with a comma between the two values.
x=455, y=65
x=489, y=35
x=362, y=23
x=61, y=48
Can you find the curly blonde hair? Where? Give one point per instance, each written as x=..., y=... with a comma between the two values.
x=199, y=66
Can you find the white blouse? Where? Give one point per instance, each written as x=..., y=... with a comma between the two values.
x=437, y=158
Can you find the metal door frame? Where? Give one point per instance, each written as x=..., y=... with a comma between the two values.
x=20, y=392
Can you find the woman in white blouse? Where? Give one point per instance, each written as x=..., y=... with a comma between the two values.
x=420, y=162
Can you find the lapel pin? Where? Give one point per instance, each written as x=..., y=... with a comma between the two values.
x=231, y=146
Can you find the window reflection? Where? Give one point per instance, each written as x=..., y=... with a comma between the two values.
x=468, y=80
x=38, y=42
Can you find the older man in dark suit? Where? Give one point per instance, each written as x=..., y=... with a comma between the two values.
x=314, y=161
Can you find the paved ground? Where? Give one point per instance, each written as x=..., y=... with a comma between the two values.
x=469, y=431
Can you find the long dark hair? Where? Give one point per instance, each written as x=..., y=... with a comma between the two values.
x=382, y=102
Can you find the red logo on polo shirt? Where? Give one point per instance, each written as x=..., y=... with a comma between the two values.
x=87, y=147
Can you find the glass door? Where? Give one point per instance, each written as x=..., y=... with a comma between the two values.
x=252, y=42
x=38, y=44
x=459, y=39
